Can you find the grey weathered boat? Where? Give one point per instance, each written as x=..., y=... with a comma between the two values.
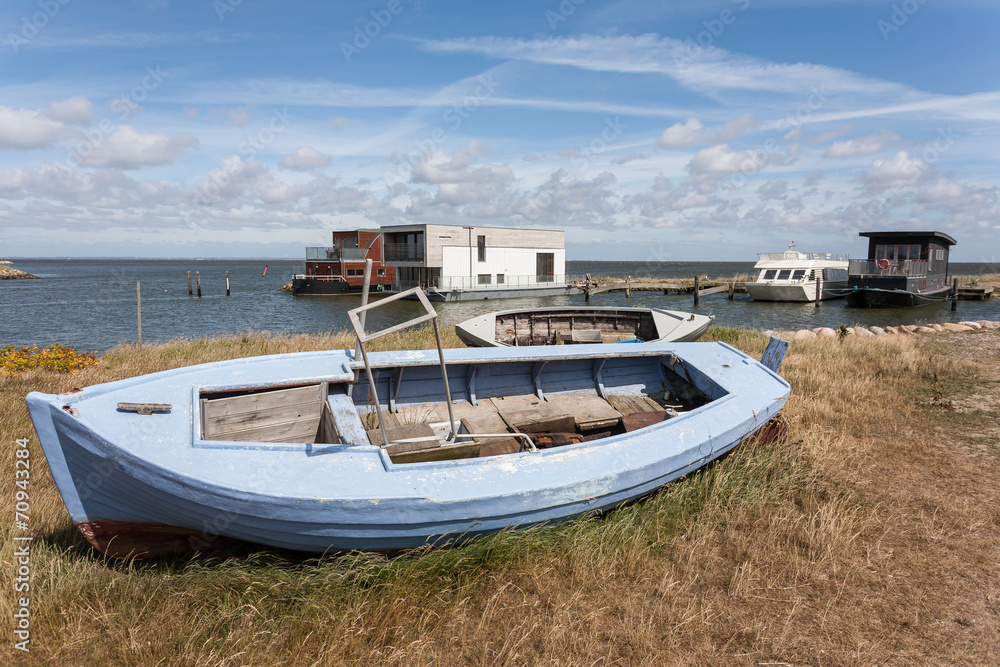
x=569, y=325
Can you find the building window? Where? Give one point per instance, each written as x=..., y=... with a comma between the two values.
x=499, y=279
x=381, y=273
x=939, y=254
x=484, y=279
x=481, y=240
x=545, y=267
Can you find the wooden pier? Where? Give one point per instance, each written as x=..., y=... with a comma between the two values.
x=696, y=287
x=970, y=293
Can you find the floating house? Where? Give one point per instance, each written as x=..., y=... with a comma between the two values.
x=453, y=263
x=340, y=268
x=902, y=269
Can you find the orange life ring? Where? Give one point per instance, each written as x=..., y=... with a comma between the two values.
x=883, y=263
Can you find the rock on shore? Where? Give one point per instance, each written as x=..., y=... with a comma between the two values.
x=902, y=330
x=13, y=274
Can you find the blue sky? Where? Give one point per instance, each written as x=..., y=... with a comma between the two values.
x=672, y=131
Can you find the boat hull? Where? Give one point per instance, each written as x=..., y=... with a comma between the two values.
x=867, y=297
x=147, y=485
x=763, y=291
x=313, y=286
x=557, y=325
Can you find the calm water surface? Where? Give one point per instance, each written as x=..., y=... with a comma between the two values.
x=91, y=304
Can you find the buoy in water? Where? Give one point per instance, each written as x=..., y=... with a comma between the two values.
x=264, y=275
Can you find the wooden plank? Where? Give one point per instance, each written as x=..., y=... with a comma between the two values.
x=407, y=432
x=500, y=447
x=286, y=415
x=346, y=419
x=586, y=336
x=303, y=431
x=477, y=419
x=235, y=406
x=565, y=424
x=450, y=452
x=590, y=412
x=628, y=405
x=775, y=353
x=638, y=420
x=327, y=432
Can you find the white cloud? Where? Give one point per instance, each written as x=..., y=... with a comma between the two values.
x=337, y=124
x=735, y=128
x=239, y=117
x=773, y=190
x=77, y=110
x=792, y=135
x=128, y=149
x=862, y=146
x=896, y=172
x=441, y=167
x=681, y=135
x=304, y=158
x=26, y=129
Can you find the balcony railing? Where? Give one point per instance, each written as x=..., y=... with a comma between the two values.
x=909, y=268
x=801, y=256
x=402, y=252
x=331, y=254
x=322, y=279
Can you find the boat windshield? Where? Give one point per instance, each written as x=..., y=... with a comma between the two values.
x=769, y=274
x=799, y=274
x=784, y=273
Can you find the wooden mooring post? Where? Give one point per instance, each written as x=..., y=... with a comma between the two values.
x=696, y=290
x=954, y=293
x=628, y=288
x=197, y=279
x=819, y=288
x=227, y=283
x=189, y=284
x=732, y=290
x=138, y=309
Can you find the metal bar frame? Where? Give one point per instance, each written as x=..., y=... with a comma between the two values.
x=357, y=321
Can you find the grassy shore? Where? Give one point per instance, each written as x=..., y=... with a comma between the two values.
x=869, y=537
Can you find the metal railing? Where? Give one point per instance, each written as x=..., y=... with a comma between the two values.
x=801, y=256
x=322, y=279
x=402, y=252
x=909, y=268
x=331, y=254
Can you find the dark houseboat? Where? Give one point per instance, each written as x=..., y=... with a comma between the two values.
x=340, y=268
x=902, y=269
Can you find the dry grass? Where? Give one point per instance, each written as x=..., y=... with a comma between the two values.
x=869, y=537
x=981, y=280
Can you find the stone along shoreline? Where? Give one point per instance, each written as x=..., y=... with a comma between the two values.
x=14, y=274
x=902, y=330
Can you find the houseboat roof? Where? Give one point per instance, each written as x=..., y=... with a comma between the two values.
x=940, y=236
x=416, y=225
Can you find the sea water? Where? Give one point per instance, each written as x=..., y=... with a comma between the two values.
x=91, y=304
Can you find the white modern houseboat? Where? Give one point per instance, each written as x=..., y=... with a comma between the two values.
x=798, y=276
x=453, y=263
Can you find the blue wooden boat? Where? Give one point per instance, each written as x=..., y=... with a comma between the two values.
x=289, y=450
